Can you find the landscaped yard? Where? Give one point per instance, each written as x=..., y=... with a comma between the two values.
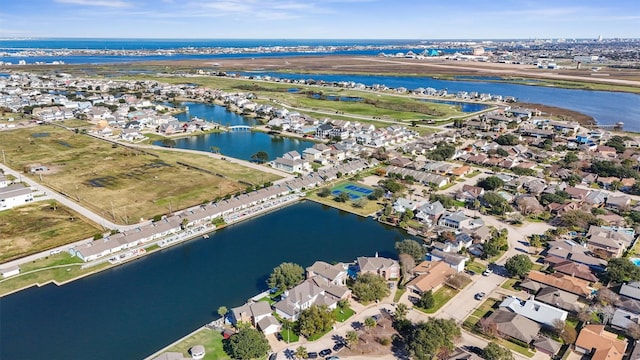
x=509, y=284
x=398, y=294
x=40, y=226
x=476, y=267
x=480, y=312
x=289, y=336
x=120, y=183
x=440, y=297
x=210, y=339
x=342, y=314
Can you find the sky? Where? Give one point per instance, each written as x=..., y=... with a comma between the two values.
x=320, y=19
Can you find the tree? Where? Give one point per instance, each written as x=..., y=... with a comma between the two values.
x=488, y=327
x=577, y=219
x=370, y=287
x=569, y=334
x=53, y=205
x=427, y=339
x=248, y=343
x=491, y=183
x=301, y=352
x=494, y=351
x=633, y=330
x=497, y=204
x=315, y=320
x=606, y=297
x=324, y=192
x=507, y=139
x=570, y=157
x=370, y=323
x=285, y=276
x=426, y=300
x=621, y=270
x=260, y=157
x=408, y=215
x=352, y=338
x=518, y=265
x=413, y=248
x=342, y=197
x=401, y=311
x=407, y=263
x=359, y=202
x=222, y=311
x=376, y=194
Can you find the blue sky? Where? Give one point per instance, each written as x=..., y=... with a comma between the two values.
x=320, y=19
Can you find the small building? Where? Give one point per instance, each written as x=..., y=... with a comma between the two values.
x=197, y=352
x=10, y=271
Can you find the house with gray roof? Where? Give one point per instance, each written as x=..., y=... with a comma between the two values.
x=302, y=297
x=250, y=313
x=631, y=290
x=558, y=298
x=623, y=319
x=609, y=241
x=335, y=274
x=455, y=261
x=430, y=212
x=534, y=310
x=385, y=267
x=510, y=324
x=547, y=345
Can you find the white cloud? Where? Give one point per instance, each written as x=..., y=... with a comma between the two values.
x=97, y=3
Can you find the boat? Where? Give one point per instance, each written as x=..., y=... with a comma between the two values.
x=206, y=236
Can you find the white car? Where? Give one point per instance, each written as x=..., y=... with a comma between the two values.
x=487, y=272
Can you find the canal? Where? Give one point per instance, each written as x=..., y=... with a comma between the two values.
x=605, y=107
x=241, y=144
x=133, y=310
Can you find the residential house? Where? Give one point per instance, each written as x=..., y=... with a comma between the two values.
x=431, y=275
x=576, y=193
x=608, y=242
x=512, y=325
x=529, y=205
x=14, y=195
x=430, y=212
x=631, y=290
x=619, y=203
x=291, y=165
x=335, y=274
x=300, y=298
x=558, y=298
x=559, y=281
x=385, y=267
x=576, y=270
x=594, y=340
x=559, y=251
x=250, y=313
x=469, y=193
x=455, y=261
x=623, y=319
x=596, y=198
x=534, y=310
x=403, y=204
x=547, y=345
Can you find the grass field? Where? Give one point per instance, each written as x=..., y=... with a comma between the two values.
x=59, y=268
x=210, y=339
x=440, y=297
x=120, y=183
x=36, y=227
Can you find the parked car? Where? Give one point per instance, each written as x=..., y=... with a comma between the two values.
x=487, y=272
x=312, y=355
x=333, y=358
x=325, y=352
x=480, y=296
x=337, y=347
x=273, y=356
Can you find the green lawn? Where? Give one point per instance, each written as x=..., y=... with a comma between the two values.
x=476, y=267
x=509, y=284
x=289, y=336
x=342, y=314
x=515, y=347
x=473, y=174
x=440, y=297
x=399, y=293
x=210, y=339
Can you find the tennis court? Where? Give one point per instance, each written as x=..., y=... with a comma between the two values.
x=354, y=191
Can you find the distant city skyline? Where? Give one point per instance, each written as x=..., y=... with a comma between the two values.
x=320, y=19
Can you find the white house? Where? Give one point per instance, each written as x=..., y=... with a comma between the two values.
x=534, y=310
x=14, y=195
x=10, y=271
x=302, y=297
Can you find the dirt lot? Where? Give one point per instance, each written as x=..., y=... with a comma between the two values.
x=120, y=183
x=370, y=340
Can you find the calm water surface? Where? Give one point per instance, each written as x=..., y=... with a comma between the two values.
x=133, y=310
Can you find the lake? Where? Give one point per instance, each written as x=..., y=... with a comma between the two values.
x=133, y=310
x=237, y=144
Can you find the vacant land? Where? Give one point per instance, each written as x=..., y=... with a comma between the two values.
x=120, y=183
x=40, y=226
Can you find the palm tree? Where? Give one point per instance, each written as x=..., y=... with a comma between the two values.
x=401, y=311
x=301, y=352
x=287, y=325
x=222, y=311
x=352, y=338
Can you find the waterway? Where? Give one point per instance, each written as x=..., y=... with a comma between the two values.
x=133, y=310
x=238, y=144
x=605, y=107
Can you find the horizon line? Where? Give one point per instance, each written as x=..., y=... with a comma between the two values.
x=291, y=39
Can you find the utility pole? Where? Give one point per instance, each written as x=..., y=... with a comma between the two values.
x=4, y=159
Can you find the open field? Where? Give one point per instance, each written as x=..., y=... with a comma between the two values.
x=120, y=183
x=37, y=227
x=59, y=268
x=210, y=339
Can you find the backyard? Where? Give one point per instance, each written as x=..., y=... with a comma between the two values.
x=121, y=183
x=210, y=339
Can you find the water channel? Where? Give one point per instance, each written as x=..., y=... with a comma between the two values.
x=604, y=106
x=135, y=309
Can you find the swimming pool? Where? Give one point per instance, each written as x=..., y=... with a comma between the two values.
x=635, y=261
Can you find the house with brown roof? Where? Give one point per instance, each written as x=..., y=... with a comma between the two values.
x=608, y=242
x=594, y=340
x=606, y=151
x=576, y=270
x=576, y=193
x=461, y=171
x=560, y=281
x=431, y=276
x=612, y=219
x=469, y=193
